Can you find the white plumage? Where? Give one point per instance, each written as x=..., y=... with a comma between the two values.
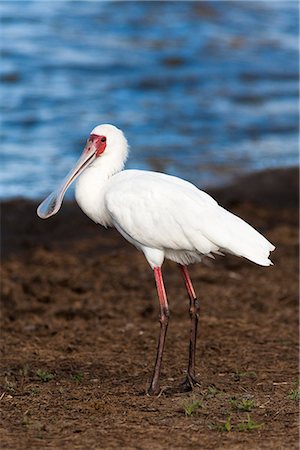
x=162, y=215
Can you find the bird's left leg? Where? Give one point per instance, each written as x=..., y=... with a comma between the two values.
x=164, y=319
x=190, y=380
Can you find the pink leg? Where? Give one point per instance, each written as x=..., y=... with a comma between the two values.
x=194, y=315
x=163, y=318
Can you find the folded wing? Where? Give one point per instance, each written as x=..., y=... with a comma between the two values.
x=164, y=212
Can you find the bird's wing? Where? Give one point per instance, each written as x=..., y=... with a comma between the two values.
x=164, y=212
x=159, y=211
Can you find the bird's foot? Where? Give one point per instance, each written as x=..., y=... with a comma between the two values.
x=153, y=390
x=189, y=383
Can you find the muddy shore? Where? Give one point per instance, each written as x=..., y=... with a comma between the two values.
x=79, y=325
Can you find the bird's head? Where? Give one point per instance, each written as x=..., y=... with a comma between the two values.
x=105, y=141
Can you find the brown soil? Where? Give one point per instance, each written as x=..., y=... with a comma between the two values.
x=79, y=332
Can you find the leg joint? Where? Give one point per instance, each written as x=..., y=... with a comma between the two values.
x=164, y=315
x=194, y=308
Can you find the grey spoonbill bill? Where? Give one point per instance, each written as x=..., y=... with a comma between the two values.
x=163, y=216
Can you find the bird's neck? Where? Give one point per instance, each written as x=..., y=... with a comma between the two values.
x=91, y=187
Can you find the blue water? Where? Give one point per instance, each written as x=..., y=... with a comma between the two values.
x=203, y=90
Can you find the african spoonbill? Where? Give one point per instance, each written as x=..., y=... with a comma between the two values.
x=162, y=215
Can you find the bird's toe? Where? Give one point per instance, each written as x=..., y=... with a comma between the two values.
x=189, y=383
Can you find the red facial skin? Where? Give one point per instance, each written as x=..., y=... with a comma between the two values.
x=98, y=142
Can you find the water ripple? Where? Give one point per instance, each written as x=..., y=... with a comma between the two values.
x=204, y=90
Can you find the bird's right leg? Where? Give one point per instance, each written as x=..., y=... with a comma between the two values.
x=191, y=380
x=164, y=319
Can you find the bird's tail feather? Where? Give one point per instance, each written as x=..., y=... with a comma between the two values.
x=234, y=235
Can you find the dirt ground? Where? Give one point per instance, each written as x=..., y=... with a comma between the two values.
x=80, y=326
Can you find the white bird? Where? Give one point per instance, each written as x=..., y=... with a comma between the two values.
x=162, y=215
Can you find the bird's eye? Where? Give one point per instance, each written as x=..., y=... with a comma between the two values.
x=103, y=139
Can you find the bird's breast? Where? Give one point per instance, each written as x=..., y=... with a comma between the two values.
x=90, y=196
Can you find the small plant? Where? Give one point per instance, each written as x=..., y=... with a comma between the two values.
x=44, y=376
x=23, y=375
x=248, y=374
x=77, y=377
x=24, y=371
x=227, y=425
x=243, y=405
x=9, y=386
x=212, y=391
x=249, y=425
x=34, y=391
x=294, y=394
x=191, y=408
